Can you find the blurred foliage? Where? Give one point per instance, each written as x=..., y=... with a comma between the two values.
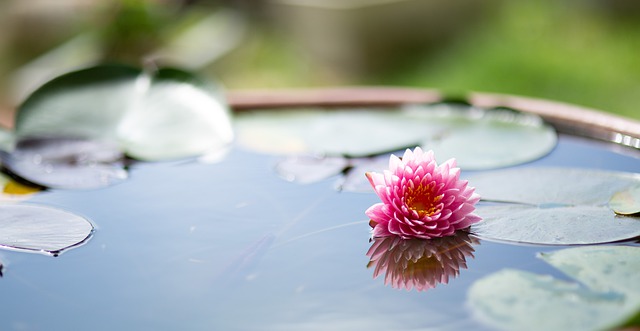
x=578, y=51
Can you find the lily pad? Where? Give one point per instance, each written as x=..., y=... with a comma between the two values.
x=68, y=163
x=41, y=229
x=555, y=206
x=164, y=114
x=487, y=139
x=626, y=202
x=350, y=132
x=606, y=294
x=306, y=169
x=478, y=138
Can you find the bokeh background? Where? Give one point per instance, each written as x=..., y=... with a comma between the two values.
x=585, y=52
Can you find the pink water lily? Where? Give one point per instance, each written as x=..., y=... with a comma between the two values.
x=421, y=199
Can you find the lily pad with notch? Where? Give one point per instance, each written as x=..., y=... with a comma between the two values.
x=553, y=206
x=604, y=295
x=41, y=229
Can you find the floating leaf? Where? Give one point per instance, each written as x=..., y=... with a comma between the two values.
x=488, y=139
x=608, y=296
x=152, y=116
x=69, y=163
x=41, y=229
x=479, y=139
x=556, y=206
x=88, y=103
x=626, y=202
x=306, y=169
x=352, y=132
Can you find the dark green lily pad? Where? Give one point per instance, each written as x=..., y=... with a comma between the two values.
x=626, y=202
x=68, y=163
x=605, y=296
x=478, y=138
x=164, y=114
x=41, y=229
x=555, y=206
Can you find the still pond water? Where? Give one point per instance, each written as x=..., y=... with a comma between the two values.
x=231, y=246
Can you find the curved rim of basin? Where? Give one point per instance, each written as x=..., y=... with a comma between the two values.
x=565, y=117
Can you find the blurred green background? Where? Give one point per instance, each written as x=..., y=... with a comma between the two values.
x=584, y=52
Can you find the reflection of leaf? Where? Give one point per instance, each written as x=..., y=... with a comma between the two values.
x=66, y=162
x=626, y=202
x=479, y=139
x=553, y=206
x=165, y=114
x=41, y=229
x=418, y=263
x=608, y=297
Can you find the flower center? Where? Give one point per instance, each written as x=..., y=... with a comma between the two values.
x=423, y=199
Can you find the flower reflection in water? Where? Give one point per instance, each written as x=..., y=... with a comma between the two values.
x=420, y=263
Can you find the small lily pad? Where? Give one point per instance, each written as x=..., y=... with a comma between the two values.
x=606, y=294
x=68, y=163
x=554, y=206
x=41, y=229
x=626, y=202
x=306, y=169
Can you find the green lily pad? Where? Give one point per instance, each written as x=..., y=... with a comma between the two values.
x=606, y=294
x=350, y=132
x=487, y=139
x=479, y=139
x=66, y=162
x=158, y=115
x=88, y=103
x=626, y=202
x=41, y=229
x=554, y=206
x=306, y=169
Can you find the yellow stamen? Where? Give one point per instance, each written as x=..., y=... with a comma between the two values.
x=423, y=199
